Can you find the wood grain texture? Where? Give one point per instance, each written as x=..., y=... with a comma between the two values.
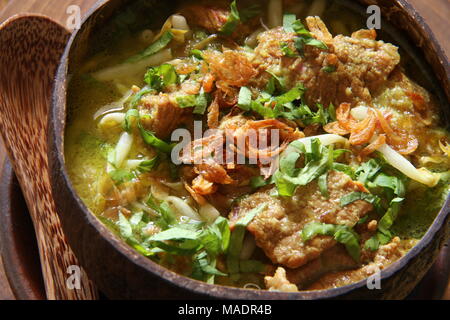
x=24, y=103
x=5, y=289
x=56, y=9
x=435, y=12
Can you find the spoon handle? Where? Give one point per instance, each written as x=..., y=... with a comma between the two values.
x=31, y=48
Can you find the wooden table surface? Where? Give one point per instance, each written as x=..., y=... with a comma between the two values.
x=435, y=12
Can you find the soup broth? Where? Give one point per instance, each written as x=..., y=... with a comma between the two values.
x=357, y=176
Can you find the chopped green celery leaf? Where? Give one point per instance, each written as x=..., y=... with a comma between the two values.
x=348, y=170
x=208, y=268
x=284, y=188
x=125, y=228
x=368, y=170
x=215, y=238
x=132, y=113
x=150, y=139
x=160, y=77
x=138, y=96
x=315, y=228
x=372, y=243
x=332, y=112
x=211, y=270
x=278, y=82
x=318, y=160
x=316, y=43
x=339, y=152
x=288, y=162
x=288, y=21
x=201, y=103
x=323, y=186
x=259, y=181
x=233, y=20
x=166, y=213
x=186, y=248
x=342, y=234
x=187, y=101
x=304, y=37
x=221, y=224
x=389, y=217
x=329, y=69
x=350, y=240
x=363, y=219
x=167, y=217
x=197, y=54
x=175, y=233
x=270, y=88
x=287, y=51
x=391, y=182
x=245, y=99
x=203, y=270
x=120, y=176
x=237, y=237
x=155, y=47
x=290, y=96
x=299, y=44
x=148, y=165
x=136, y=218
x=300, y=29
x=140, y=248
x=354, y=196
x=264, y=111
x=310, y=172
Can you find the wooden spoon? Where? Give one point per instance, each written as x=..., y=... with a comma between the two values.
x=31, y=48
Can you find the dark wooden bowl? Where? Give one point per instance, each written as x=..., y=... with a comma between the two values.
x=121, y=273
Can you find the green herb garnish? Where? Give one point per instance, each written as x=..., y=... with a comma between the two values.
x=342, y=234
x=233, y=20
x=160, y=77
x=303, y=38
x=237, y=237
x=155, y=47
